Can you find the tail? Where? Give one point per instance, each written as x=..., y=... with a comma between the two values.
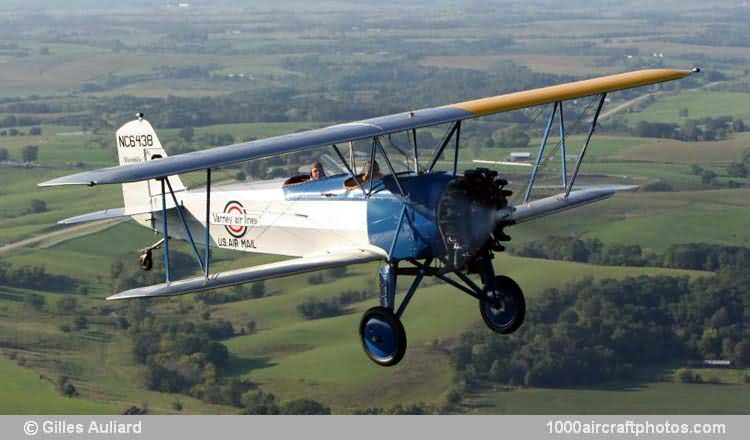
x=137, y=142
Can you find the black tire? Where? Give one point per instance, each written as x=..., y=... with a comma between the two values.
x=146, y=260
x=510, y=315
x=383, y=337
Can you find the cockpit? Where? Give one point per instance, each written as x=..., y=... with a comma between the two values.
x=348, y=183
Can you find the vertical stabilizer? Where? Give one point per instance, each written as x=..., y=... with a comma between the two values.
x=137, y=142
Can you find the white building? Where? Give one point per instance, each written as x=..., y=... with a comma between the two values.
x=519, y=156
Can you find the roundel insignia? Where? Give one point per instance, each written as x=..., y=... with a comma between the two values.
x=235, y=207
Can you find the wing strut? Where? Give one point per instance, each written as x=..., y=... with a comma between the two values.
x=398, y=231
x=376, y=141
x=585, y=146
x=207, y=255
x=166, y=231
x=203, y=263
x=563, y=169
x=372, y=167
x=567, y=184
x=442, y=146
x=455, y=156
x=349, y=169
x=416, y=150
x=532, y=178
x=180, y=208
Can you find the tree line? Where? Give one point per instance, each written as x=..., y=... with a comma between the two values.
x=695, y=256
x=180, y=356
x=237, y=293
x=592, y=331
x=703, y=129
x=188, y=357
x=35, y=277
x=317, y=308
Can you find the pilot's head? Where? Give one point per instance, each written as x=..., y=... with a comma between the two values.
x=316, y=171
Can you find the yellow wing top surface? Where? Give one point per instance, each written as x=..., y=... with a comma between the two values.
x=572, y=90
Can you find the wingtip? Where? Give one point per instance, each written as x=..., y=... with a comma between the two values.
x=621, y=188
x=65, y=180
x=616, y=188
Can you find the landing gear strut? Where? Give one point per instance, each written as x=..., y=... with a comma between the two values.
x=381, y=332
x=501, y=304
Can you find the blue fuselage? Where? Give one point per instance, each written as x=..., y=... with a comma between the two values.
x=404, y=227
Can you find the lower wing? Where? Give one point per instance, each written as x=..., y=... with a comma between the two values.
x=557, y=203
x=256, y=273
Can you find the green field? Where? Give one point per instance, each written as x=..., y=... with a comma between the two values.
x=654, y=220
x=700, y=104
x=646, y=398
x=25, y=392
x=258, y=130
x=678, y=152
x=19, y=187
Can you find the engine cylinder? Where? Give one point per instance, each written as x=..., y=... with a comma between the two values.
x=466, y=214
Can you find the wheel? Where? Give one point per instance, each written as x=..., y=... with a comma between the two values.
x=383, y=336
x=506, y=313
x=146, y=260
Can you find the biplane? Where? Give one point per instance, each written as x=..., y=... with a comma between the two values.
x=419, y=222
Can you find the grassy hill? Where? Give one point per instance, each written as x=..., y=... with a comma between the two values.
x=25, y=392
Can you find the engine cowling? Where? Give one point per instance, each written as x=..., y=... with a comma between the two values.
x=466, y=216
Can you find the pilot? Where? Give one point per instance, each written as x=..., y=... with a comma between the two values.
x=350, y=183
x=316, y=171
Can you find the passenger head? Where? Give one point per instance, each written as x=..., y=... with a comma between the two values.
x=375, y=171
x=316, y=171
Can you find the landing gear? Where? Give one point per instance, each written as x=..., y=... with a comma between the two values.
x=383, y=336
x=504, y=308
x=501, y=304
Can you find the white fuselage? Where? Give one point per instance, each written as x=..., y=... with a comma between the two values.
x=257, y=217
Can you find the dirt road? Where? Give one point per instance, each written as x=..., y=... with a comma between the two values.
x=54, y=237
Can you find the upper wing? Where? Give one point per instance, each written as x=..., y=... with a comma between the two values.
x=572, y=90
x=368, y=128
x=255, y=273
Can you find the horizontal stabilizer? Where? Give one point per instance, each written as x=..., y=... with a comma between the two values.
x=249, y=274
x=106, y=214
x=554, y=204
x=112, y=213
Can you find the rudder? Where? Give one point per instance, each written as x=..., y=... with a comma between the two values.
x=136, y=143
